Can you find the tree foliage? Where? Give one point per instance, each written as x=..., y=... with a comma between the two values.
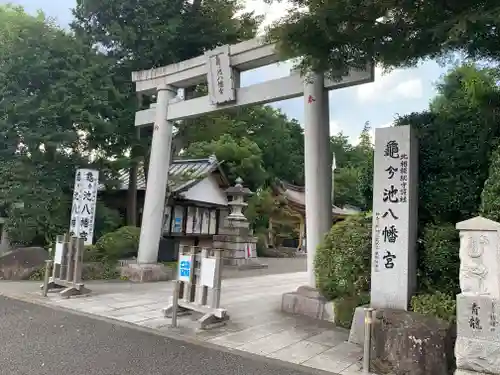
x=353, y=178
x=52, y=94
x=242, y=158
x=439, y=260
x=138, y=35
x=456, y=138
x=280, y=140
x=490, y=196
x=335, y=35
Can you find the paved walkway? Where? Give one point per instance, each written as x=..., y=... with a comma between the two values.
x=257, y=325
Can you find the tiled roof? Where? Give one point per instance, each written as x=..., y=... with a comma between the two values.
x=183, y=173
x=296, y=194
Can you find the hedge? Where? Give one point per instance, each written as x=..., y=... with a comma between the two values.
x=343, y=261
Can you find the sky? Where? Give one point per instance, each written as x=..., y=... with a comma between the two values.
x=398, y=92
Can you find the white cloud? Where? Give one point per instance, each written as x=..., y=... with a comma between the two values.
x=390, y=87
x=382, y=82
x=412, y=89
x=271, y=12
x=334, y=127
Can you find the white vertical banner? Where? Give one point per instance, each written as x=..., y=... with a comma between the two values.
x=84, y=204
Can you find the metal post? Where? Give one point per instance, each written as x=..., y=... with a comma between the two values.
x=367, y=342
x=48, y=266
x=70, y=259
x=175, y=303
x=77, y=273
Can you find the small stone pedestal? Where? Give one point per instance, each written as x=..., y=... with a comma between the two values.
x=236, y=240
x=147, y=272
x=309, y=302
x=477, y=349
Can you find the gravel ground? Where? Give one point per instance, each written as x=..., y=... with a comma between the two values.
x=38, y=340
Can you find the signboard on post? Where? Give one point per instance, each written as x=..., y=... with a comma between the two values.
x=185, y=268
x=208, y=267
x=84, y=204
x=220, y=76
x=395, y=204
x=58, y=253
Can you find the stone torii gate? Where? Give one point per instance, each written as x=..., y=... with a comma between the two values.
x=221, y=69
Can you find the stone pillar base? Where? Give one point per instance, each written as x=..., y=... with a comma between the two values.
x=144, y=273
x=244, y=264
x=309, y=302
x=251, y=264
x=357, y=332
x=467, y=372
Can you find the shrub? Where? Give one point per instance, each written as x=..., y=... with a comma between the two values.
x=106, y=220
x=91, y=254
x=345, y=307
x=439, y=259
x=119, y=244
x=37, y=275
x=437, y=304
x=343, y=261
x=100, y=271
x=261, y=244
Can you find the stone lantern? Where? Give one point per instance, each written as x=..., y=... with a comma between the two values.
x=238, y=194
x=236, y=241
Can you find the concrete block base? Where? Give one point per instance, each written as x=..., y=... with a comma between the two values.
x=309, y=302
x=467, y=372
x=357, y=333
x=143, y=273
x=243, y=264
x=251, y=265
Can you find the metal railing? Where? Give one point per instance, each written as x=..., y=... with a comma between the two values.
x=66, y=268
x=198, y=287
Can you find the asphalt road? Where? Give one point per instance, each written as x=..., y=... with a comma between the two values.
x=40, y=340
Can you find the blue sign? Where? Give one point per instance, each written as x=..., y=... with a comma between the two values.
x=177, y=224
x=185, y=268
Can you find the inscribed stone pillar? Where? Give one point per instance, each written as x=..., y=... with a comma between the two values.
x=395, y=203
x=477, y=349
x=236, y=239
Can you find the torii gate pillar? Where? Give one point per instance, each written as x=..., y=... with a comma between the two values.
x=318, y=166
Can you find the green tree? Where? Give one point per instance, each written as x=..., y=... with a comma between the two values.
x=490, y=196
x=138, y=35
x=242, y=158
x=342, y=148
x=456, y=139
x=51, y=96
x=335, y=35
x=353, y=178
x=280, y=140
x=347, y=187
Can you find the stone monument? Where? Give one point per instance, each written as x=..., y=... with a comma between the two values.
x=394, y=229
x=477, y=349
x=236, y=238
